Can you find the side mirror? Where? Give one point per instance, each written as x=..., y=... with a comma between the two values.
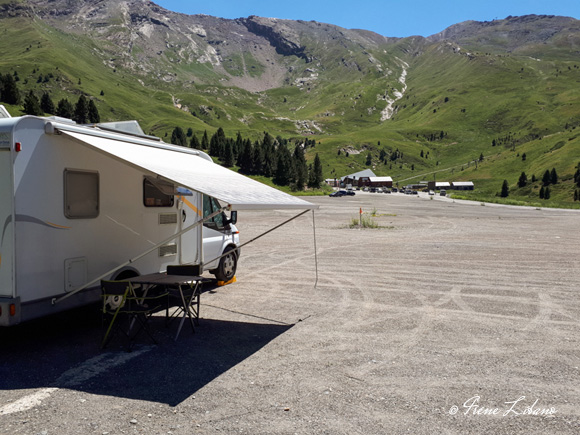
x=233, y=217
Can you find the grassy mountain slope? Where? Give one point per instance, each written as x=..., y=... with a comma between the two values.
x=511, y=82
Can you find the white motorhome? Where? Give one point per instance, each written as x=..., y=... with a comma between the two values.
x=83, y=203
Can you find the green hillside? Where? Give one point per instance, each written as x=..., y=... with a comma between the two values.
x=469, y=108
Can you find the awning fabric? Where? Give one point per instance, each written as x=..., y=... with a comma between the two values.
x=196, y=173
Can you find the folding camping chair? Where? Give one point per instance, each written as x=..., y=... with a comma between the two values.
x=126, y=313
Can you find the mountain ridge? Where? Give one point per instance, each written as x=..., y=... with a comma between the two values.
x=347, y=88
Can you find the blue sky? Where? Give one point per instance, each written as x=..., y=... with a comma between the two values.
x=387, y=17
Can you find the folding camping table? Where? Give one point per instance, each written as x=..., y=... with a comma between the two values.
x=190, y=305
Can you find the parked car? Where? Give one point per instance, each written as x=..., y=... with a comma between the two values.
x=431, y=193
x=350, y=192
x=443, y=192
x=395, y=190
x=386, y=191
x=340, y=193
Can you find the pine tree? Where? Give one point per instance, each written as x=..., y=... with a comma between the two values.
x=81, y=113
x=547, y=193
x=228, y=155
x=178, y=137
x=217, y=143
x=93, y=113
x=9, y=91
x=32, y=105
x=546, y=179
x=523, y=180
x=553, y=176
x=383, y=156
x=576, y=195
x=258, y=160
x=194, y=143
x=315, y=175
x=245, y=158
x=214, y=149
x=523, y=157
x=505, y=189
x=239, y=145
x=542, y=192
x=204, y=141
x=369, y=159
x=65, y=109
x=300, y=167
x=284, y=170
x=269, y=156
x=46, y=104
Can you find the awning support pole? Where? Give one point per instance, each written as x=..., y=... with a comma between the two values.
x=132, y=260
x=315, y=250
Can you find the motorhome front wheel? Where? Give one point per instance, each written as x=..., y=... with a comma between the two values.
x=227, y=267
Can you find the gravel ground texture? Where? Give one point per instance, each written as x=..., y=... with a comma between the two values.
x=452, y=317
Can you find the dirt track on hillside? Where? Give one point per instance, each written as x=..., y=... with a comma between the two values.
x=448, y=305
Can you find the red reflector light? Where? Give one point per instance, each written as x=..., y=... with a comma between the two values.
x=18, y=147
x=12, y=310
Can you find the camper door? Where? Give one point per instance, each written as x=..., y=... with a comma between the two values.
x=190, y=210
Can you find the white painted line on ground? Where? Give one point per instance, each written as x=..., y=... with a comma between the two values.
x=27, y=402
x=73, y=377
x=96, y=366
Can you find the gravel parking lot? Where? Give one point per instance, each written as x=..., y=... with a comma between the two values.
x=452, y=317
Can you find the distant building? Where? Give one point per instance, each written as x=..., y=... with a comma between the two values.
x=380, y=182
x=332, y=182
x=359, y=179
x=462, y=185
x=432, y=185
x=416, y=186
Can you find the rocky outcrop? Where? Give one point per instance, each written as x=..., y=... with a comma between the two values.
x=509, y=34
x=11, y=10
x=281, y=37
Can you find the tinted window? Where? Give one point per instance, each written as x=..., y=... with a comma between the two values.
x=153, y=197
x=81, y=194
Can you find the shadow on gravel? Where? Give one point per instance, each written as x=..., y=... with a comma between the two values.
x=63, y=351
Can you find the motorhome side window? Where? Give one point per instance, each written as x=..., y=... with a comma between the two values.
x=210, y=205
x=154, y=197
x=81, y=194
